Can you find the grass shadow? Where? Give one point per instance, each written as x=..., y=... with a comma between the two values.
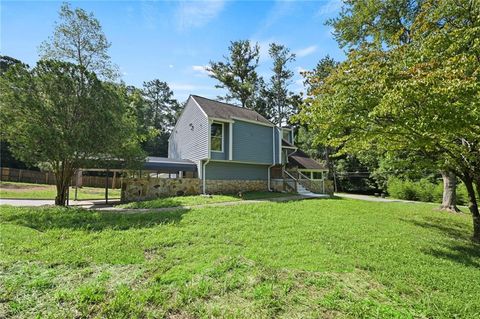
x=466, y=253
x=43, y=219
x=454, y=230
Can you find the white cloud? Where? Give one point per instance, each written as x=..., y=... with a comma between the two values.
x=329, y=8
x=194, y=14
x=201, y=70
x=306, y=51
x=171, y=66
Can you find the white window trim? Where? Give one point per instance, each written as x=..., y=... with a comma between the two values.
x=223, y=136
x=230, y=140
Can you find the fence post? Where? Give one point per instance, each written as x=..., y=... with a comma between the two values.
x=113, y=180
x=106, y=187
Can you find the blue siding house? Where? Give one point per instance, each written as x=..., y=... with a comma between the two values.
x=227, y=142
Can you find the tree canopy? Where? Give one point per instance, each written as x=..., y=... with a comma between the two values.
x=60, y=114
x=78, y=38
x=419, y=94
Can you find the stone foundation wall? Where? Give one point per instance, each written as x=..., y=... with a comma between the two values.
x=235, y=186
x=136, y=189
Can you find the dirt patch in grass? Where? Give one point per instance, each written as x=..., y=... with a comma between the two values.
x=21, y=187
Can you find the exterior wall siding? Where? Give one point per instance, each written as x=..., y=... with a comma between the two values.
x=235, y=171
x=189, y=138
x=252, y=142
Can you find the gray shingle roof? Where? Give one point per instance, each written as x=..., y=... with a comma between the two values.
x=226, y=111
x=302, y=160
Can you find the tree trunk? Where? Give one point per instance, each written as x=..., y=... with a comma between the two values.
x=62, y=180
x=62, y=194
x=449, y=200
x=473, y=206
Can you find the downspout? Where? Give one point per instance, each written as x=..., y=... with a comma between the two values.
x=204, y=175
x=273, y=159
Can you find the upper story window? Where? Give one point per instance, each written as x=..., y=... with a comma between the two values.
x=216, y=137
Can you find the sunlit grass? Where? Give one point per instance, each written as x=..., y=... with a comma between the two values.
x=14, y=190
x=200, y=200
x=300, y=259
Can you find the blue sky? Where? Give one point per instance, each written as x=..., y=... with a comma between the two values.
x=173, y=41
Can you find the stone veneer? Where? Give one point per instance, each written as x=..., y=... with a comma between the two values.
x=135, y=189
x=235, y=186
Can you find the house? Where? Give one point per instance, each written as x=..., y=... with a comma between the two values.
x=237, y=149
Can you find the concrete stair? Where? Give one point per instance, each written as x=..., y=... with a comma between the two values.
x=305, y=192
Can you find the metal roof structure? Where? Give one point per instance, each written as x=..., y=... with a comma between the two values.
x=166, y=164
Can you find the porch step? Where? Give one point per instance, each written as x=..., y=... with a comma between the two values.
x=305, y=192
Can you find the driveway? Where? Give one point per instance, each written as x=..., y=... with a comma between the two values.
x=46, y=202
x=374, y=198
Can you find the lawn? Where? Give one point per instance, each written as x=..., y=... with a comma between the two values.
x=15, y=190
x=299, y=259
x=200, y=200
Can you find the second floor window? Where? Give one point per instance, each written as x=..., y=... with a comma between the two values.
x=216, y=137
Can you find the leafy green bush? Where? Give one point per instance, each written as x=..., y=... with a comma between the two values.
x=423, y=190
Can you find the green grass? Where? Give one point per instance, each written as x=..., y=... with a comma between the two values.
x=175, y=201
x=304, y=259
x=13, y=190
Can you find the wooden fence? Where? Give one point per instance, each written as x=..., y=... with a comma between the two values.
x=28, y=176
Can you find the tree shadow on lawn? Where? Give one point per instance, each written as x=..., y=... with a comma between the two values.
x=81, y=219
x=466, y=253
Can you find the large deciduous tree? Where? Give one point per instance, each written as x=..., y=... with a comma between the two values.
x=78, y=38
x=60, y=114
x=413, y=89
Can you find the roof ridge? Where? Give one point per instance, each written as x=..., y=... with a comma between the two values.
x=227, y=104
x=219, y=109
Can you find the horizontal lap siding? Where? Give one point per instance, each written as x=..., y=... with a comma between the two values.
x=252, y=143
x=190, y=143
x=236, y=171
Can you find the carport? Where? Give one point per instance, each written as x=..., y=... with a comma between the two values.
x=153, y=165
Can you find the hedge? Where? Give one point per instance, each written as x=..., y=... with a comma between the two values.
x=422, y=190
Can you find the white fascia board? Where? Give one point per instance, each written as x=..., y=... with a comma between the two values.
x=240, y=162
x=216, y=119
x=199, y=106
